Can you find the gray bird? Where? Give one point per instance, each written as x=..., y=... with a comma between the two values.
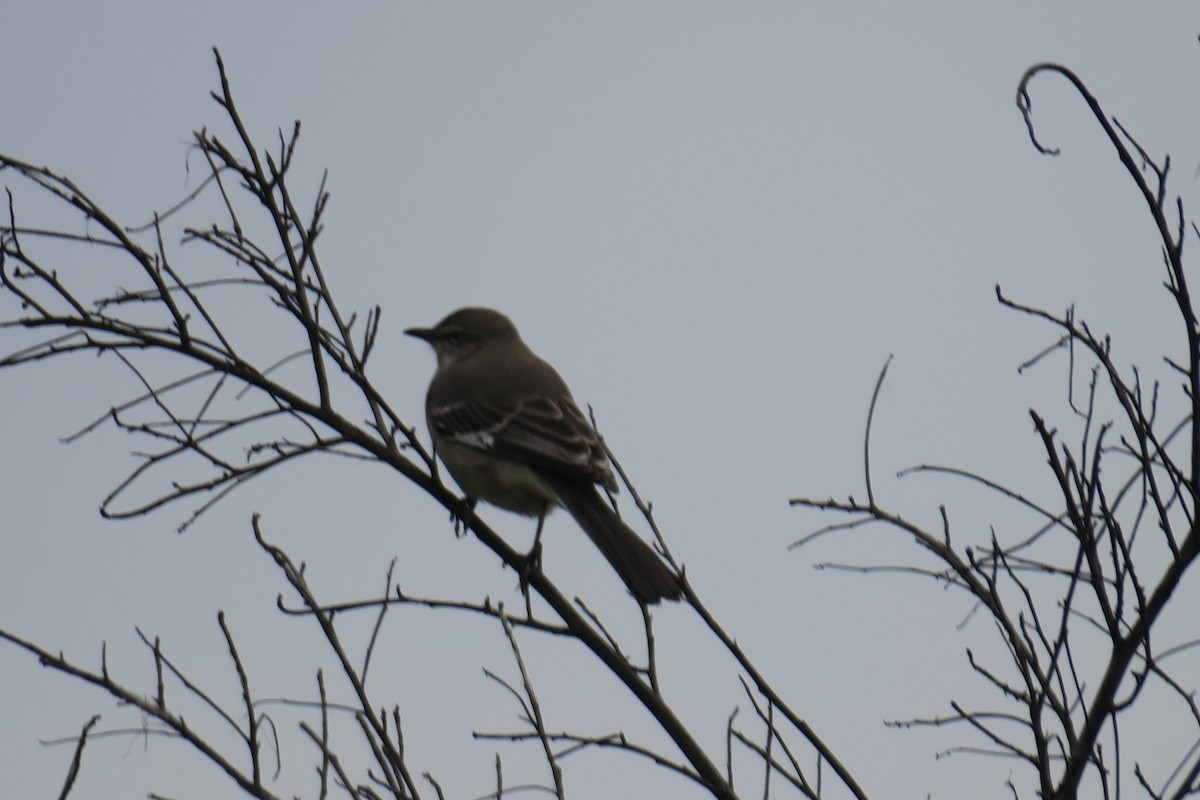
x=506, y=426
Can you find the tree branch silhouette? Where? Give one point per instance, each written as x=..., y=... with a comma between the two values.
x=235, y=413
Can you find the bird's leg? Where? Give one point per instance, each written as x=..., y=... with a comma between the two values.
x=535, y=552
x=533, y=559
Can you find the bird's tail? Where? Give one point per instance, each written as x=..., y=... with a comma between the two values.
x=646, y=575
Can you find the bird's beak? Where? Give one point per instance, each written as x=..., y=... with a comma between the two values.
x=420, y=333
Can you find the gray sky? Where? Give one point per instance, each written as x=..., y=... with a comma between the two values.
x=717, y=219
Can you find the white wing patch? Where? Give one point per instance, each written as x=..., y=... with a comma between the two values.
x=482, y=440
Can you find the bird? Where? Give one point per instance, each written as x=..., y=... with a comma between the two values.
x=507, y=427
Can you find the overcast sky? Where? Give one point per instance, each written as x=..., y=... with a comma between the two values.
x=718, y=220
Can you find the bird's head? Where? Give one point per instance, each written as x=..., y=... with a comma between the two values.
x=464, y=331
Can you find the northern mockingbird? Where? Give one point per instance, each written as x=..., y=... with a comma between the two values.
x=507, y=428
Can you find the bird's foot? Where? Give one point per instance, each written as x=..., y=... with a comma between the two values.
x=460, y=527
x=530, y=564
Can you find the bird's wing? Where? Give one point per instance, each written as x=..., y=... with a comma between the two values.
x=540, y=430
